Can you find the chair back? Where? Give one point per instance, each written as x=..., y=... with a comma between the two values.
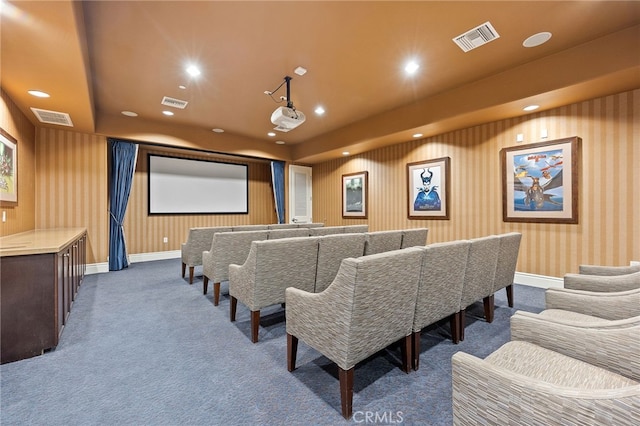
x=377, y=295
x=351, y=229
x=282, y=263
x=250, y=228
x=332, y=249
x=416, y=237
x=231, y=248
x=441, y=281
x=507, y=260
x=282, y=225
x=481, y=269
x=382, y=241
x=275, y=234
x=326, y=230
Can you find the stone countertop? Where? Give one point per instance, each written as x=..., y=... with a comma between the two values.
x=38, y=241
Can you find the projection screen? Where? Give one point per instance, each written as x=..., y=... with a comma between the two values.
x=188, y=186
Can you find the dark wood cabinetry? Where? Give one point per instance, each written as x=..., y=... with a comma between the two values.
x=40, y=275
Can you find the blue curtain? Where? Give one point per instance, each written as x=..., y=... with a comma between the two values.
x=277, y=179
x=123, y=163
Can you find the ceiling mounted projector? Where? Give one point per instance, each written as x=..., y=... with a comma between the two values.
x=286, y=118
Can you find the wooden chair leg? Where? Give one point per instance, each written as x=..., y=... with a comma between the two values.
x=509, y=289
x=454, y=322
x=191, y=274
x=407, y=353
x=488, y=308
x=233, y=304
x=184, y=268
x=415, y=352
x=255, y=323
x=205, y=284
x=462, y=315
x=346, y=391
x=216, y=294
x=292, y=351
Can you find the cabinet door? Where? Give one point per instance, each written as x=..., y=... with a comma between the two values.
x=59, y=295
x=66, y=281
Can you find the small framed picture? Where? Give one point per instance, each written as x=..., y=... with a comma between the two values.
x=428, y=189
x=354, y=195
x=8, y=169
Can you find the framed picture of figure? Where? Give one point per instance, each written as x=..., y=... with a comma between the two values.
x=428, y=189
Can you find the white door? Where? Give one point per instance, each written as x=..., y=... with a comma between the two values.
x=300, y=207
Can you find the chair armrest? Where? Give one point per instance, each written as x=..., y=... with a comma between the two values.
x=607, y=270
x=242, y=280
x=321, y=320
x=614, y=346
x=602, y=283
x=612, y=306
x=484, y=391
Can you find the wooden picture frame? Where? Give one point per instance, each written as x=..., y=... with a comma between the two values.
x=540, y=182
x=355, y=195
x=8, y=169
x=428, y=189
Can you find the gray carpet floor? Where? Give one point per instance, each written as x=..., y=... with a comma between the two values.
x=143, y=347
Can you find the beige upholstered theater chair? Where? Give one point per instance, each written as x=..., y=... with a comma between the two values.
x=607, y=270
x=226, y=248
x=440, y=289
x=479, y=277
x=357, y=315
x=270, y=268
x=602, y=283
x=416, y=237
x=552, y=373
x=198, y=240
x=382, y=241
x=506, y=265
x=275, y=234
x=607, y=305
x=332, y=249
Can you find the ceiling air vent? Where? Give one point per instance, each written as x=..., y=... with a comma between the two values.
x=52, y=117
x=173, y=102
x=476, y=37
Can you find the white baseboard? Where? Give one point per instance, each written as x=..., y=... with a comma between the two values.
x=99, y=268
x=541, y=281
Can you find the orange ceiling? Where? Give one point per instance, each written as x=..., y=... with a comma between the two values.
x=98, y=58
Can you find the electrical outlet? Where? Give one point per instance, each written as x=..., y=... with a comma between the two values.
x=165, y=240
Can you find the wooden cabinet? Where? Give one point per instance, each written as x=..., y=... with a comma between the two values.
x=38, y=285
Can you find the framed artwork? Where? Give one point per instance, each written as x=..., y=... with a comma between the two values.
x=354, y=195
x=428, y=185
x=540, y=182
x=8, y=169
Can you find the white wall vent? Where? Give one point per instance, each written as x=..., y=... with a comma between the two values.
x=476, y=37
x=52, y=117
x=173, y=102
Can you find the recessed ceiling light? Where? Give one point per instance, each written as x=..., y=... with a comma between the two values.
x=537, y=39
x=319, y=110
x=193, y=70
x=411, y=67
x=217, y=130
x=417, y=135
x=531, y=107
x=182, y=86
x=300, y=71
x=280, y=142
x=38, y=94
x=167, y=112
x=345, y=152
x=130, y=113
x=272, y=134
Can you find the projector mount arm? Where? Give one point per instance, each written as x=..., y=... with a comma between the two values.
x=287, y=80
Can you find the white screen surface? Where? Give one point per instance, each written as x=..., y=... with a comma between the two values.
x=184, y=186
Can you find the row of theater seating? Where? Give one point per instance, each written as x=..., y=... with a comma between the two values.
x=376, y=300
x=229, y=248
x=199, y=240
x=576, y=362
x=310, y=263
